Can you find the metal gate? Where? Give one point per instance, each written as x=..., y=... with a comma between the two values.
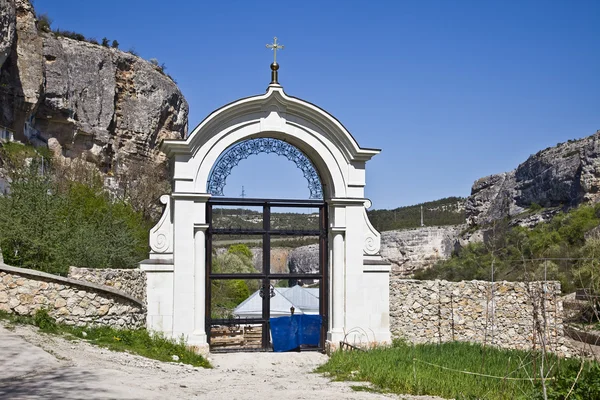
x=242, y=295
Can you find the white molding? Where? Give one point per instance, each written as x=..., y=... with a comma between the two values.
x=161, y=235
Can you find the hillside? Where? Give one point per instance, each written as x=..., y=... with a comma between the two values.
x=446, y=211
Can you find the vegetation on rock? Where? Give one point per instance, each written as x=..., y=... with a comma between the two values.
x=554, y=250
x=446, y=211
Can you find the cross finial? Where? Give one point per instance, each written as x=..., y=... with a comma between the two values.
x=275, y=46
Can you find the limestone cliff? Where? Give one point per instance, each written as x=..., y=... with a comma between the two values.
x=562, y=176
x=8, y=19
x=412, y=249
x=81, y=99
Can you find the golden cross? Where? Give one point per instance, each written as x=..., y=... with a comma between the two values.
x=275, y=47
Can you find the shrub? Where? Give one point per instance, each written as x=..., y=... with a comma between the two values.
x=44, y=22
x=44, y=321
x=48, y=222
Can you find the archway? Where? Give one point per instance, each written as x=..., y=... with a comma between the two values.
x=356, y=292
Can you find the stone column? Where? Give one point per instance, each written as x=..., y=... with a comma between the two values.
x=338, y=285
x=183, y=269
x=199, y=335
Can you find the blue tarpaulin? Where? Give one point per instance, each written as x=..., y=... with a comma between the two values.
x=289, y=333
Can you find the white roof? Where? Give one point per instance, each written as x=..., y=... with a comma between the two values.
x=304, y=301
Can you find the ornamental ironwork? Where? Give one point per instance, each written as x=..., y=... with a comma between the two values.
x=232, y=156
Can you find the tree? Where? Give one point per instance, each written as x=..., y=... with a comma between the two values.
x=105, y=42
x=115, y=44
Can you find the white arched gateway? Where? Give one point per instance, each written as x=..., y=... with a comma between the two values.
x=354, y=278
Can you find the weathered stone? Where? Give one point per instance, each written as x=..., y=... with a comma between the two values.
x=78, y=311
x=22, y=310
x=103, y=310
x=3, y=297
x=60, y=302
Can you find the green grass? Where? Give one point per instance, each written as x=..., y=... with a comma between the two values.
x=440, y=370
x=135, y=341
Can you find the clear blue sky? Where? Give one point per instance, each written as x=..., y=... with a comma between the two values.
x=450, y=90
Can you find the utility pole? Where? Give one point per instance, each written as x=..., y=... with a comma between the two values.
x=422, y=224
x=243, y=197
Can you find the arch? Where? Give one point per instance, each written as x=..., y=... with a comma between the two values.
x=242, y=150
x=333, y=152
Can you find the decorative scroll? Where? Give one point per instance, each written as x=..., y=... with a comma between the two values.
x=372, y=237
x=232, y=156
x=161, y=235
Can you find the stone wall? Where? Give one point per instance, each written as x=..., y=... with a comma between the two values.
x=24, y=291
x=130, y=281
x=500, y=314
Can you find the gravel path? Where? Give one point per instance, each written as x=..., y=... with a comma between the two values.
x=39, y=366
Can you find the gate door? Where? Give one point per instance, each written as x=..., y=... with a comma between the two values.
x=265, y=259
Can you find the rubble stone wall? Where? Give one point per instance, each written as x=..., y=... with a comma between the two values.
x=130, y=281
x=505, y=314
x=24, y=291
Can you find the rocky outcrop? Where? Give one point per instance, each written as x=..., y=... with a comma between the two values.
x=304, y=260
x=561, y=177
x=413, y=249
x=279, y=259
x=86, y=100
x=8, y=20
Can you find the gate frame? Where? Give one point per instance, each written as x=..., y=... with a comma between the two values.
x=266, y=275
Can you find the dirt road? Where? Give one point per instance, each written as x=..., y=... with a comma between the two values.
x=40, y=366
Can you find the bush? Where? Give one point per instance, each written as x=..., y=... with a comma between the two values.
x=48, y=223
x=44, y=321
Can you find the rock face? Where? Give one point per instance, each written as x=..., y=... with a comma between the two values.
x=279, y=259
x=412, y=249
x=304, y=260
x=8, y=20
x=562, y=176
x=85, y=100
